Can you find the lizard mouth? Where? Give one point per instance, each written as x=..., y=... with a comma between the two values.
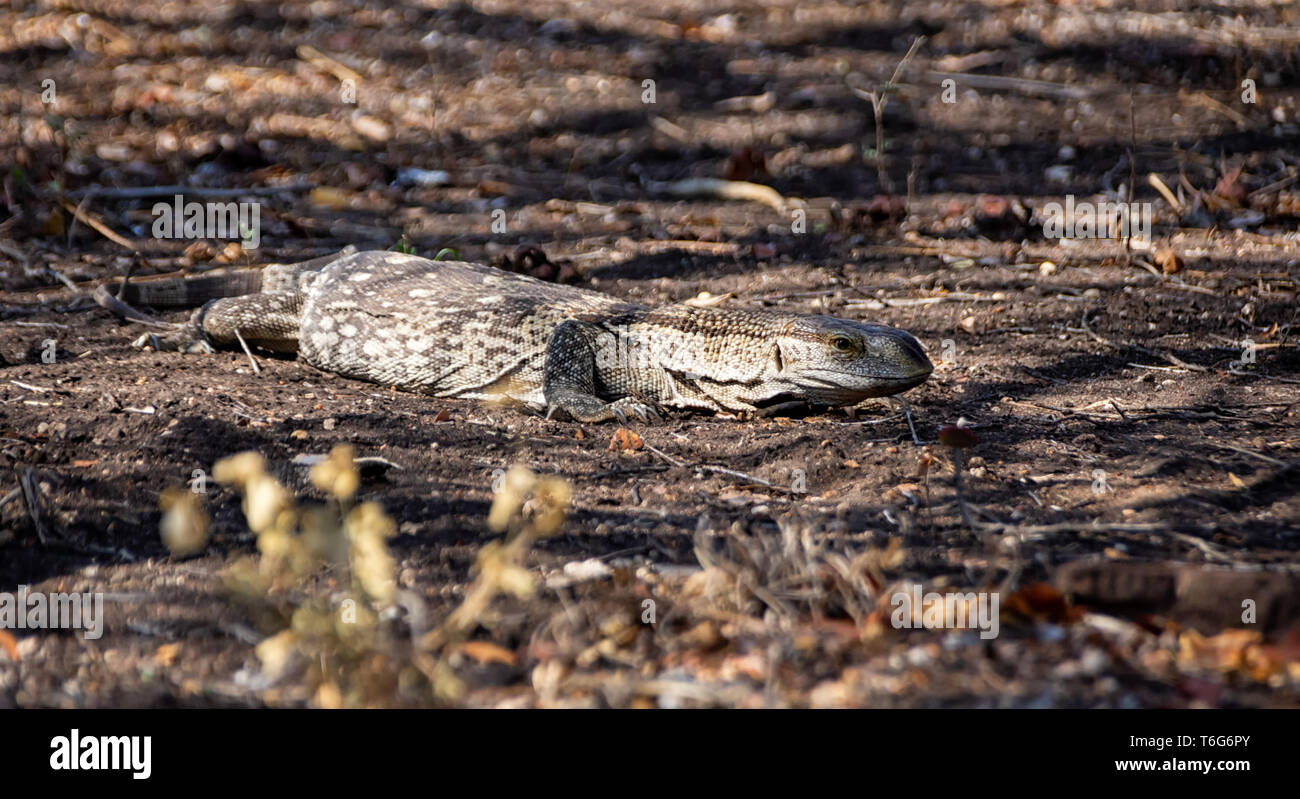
x=831, y=392
x=889, y=386
x=825, y=394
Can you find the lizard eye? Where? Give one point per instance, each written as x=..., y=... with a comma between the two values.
x=842, y=343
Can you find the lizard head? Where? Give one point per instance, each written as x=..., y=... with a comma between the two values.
x=841, y=362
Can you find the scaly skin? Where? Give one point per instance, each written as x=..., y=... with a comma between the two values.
x=454, y=329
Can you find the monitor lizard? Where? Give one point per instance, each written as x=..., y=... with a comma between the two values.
x=457, y=329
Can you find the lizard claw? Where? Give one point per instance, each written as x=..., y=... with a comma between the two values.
x=627, y=406
x=647, y=410
x=582, y=408
x=644, y=412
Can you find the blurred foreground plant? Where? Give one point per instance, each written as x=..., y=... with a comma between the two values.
x=350, y=652
x=526, y=509
x=344, y=653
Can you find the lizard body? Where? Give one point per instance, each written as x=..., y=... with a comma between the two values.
x=456, y=329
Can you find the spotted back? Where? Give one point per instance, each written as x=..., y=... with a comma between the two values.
x=446, y=328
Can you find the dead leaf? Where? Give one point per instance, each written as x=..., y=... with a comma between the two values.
x=200, y=251
x=231, y=253
x=923, y=464
x=53, y=225
x=900, y=491
x=442, y=416
x=746, y=163
x=1230, y=650
x=495, y=188
x=625, y=440
x=10, y=644
x=328, y=696
x=704, y=636
x=486, y=652
x=327, y=197
x=1230, y=187
x=706, y=300
x=957, y=436
x=752, y=665
x=1042, y=602
x=1168, y=261
x=166, y=654
x=1000, y=218
x=372, y=128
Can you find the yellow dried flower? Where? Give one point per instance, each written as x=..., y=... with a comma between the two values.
x=367, y=527
x=239, y=469
x=264, y=502
x=337, y=475
x=277, y=653
x=184, y=525
x=510, y=499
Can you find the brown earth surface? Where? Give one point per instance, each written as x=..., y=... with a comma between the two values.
x=1135, y=479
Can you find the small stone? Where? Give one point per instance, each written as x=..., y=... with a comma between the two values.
x=1168, y=261
x=1059, y=173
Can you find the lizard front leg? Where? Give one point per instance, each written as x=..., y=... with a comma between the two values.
x=569, y=378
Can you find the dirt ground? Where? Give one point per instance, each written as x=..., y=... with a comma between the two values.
x=1132, y=490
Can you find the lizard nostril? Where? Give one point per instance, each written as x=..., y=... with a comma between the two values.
x=906, y=352
x=913, y=348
